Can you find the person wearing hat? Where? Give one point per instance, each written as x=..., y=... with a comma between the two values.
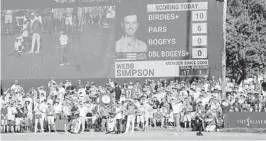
x=130, y=85
x=39, y=110
x=28, y=109
x=4, y=117
x=82, y=115
x=15, y=87
x=42, y=93
x=111, y=83
x=52, y=85
x=50, y=112
x=81, y=92
x=67, y=84
x=11, y=111
x=19, y=118
x=87, y=87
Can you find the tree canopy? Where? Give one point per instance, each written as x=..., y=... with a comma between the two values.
x=246, y=38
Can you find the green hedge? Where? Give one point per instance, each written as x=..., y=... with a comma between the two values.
x=244, y=130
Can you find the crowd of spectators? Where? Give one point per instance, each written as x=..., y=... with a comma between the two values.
x=150, y=105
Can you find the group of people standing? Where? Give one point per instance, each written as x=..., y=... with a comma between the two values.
x=30, y=24
x=197, y=105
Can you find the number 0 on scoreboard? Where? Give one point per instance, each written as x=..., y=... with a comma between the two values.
x=198, y=53
x=199, y=40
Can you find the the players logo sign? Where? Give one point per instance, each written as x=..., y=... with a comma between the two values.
x=245, y=120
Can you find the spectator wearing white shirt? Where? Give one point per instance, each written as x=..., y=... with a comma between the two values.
x=50, y=117
x=42, y=93
x=82, y=92
x=93, y=90
x=141, y=114
x=58, y=108
x=18, y=44
x=39, y=118
x=15, y=87
x=61, y=92
x=33, y=93
x=67, y=84
x=52, y=86
x=38, y=17
x=82, y=115
x=11, y=111
x=177, y=106
x=28, y=109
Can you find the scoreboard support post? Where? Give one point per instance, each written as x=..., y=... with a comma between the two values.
x=224, y=51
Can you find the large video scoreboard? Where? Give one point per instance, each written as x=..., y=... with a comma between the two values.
x=176, y=36
x=123, y=39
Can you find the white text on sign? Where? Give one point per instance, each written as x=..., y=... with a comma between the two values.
x=171, y=7
x=162, y=17
x=167, y=68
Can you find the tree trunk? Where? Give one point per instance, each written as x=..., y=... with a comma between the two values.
x=241, y=79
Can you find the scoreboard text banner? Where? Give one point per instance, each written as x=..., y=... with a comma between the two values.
x=164, y=68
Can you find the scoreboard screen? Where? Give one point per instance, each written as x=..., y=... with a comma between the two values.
x=121, y=39
x=156, y=38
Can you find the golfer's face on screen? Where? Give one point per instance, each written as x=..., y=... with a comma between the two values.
x=131, y=25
